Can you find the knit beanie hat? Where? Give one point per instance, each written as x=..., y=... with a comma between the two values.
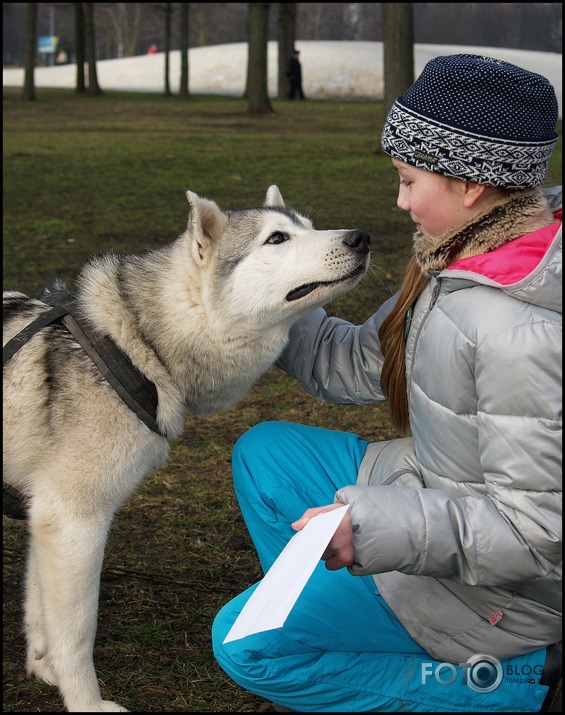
x=475, y=118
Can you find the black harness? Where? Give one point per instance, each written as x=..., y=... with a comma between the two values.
x=137, y=391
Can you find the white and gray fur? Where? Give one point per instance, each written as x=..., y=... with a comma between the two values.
x=203, y=318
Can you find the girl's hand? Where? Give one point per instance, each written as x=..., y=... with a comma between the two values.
x=339, y=552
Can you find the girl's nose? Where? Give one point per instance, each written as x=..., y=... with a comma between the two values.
x=402, y=200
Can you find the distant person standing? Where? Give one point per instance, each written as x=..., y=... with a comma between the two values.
x=152, y=50
x=294, y=74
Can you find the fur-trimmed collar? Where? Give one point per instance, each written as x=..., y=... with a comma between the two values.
x=510, y=216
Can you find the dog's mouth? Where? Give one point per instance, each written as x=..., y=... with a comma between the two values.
x=307, y=288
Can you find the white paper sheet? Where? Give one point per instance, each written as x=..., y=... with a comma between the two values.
x=274, y=597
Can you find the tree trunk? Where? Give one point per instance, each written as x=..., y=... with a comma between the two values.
x=257, y=34
x=286, y=31
x=184, y=27
x=168, y=13
x=79, y=41
x=30, y=52
x=134, y=35
x=199, y=20
x=90, y=48
x=398, y=34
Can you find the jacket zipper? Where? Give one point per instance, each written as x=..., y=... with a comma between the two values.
x=433, y=300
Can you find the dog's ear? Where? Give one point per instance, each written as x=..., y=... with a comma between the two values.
x=274, y=197
x=206, y=223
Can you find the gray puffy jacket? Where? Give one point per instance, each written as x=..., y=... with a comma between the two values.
x=460, y=525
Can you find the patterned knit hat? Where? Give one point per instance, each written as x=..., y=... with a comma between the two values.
x=477, y=119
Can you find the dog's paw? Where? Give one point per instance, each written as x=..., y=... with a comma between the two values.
x=38, y=667
x=94, y=706
x=107, y=706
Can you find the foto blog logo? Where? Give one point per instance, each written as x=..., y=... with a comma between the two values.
x=482, y=673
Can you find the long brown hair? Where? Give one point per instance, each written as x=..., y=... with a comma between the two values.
x=393, y=345
x=392, y=331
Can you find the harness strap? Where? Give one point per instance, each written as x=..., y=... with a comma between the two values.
x=136, y=391
x=14, y=503
x=13, y=345
x=122, y=375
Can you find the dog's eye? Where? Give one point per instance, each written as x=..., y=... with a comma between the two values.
x=277, y=237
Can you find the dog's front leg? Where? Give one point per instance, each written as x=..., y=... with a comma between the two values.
x=38, y=663
x=63, y=579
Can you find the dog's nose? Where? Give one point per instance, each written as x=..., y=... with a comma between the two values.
x=358, y=241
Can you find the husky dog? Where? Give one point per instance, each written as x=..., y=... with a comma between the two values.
x=200, y=320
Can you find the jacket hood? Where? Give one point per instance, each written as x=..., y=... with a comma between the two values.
x=528, y=268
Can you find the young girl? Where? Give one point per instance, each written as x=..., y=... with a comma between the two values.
x=441, y=588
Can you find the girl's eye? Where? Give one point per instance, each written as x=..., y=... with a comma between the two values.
x=277, y=237
x=404, y=182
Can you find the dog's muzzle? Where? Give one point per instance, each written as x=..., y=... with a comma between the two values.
x=357, y=241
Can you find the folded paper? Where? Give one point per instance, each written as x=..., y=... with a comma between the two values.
x=276, y=594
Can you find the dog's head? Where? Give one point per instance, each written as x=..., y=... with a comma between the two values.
x=268, y=264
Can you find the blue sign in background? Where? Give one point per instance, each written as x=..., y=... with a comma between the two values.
x=47, y=44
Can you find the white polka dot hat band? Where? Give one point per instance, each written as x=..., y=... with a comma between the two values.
x=477, y=119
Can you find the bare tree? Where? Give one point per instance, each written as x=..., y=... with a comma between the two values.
x=184, y=28
x=30, y=50
x=523, y=26
x=353, y=24
x=80, y=51
x=122, y=21
x=201, y=22
x=168, y=14
x=257, y=32
x=90, y=48
x=314, y=17
x=286, y=35
x=398, y=45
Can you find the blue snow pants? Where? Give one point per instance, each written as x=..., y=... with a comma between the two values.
x=341, y=648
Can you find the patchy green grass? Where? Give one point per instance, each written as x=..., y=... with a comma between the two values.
x=85, y=175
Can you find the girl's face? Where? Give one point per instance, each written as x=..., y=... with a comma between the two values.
x=436, y=204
